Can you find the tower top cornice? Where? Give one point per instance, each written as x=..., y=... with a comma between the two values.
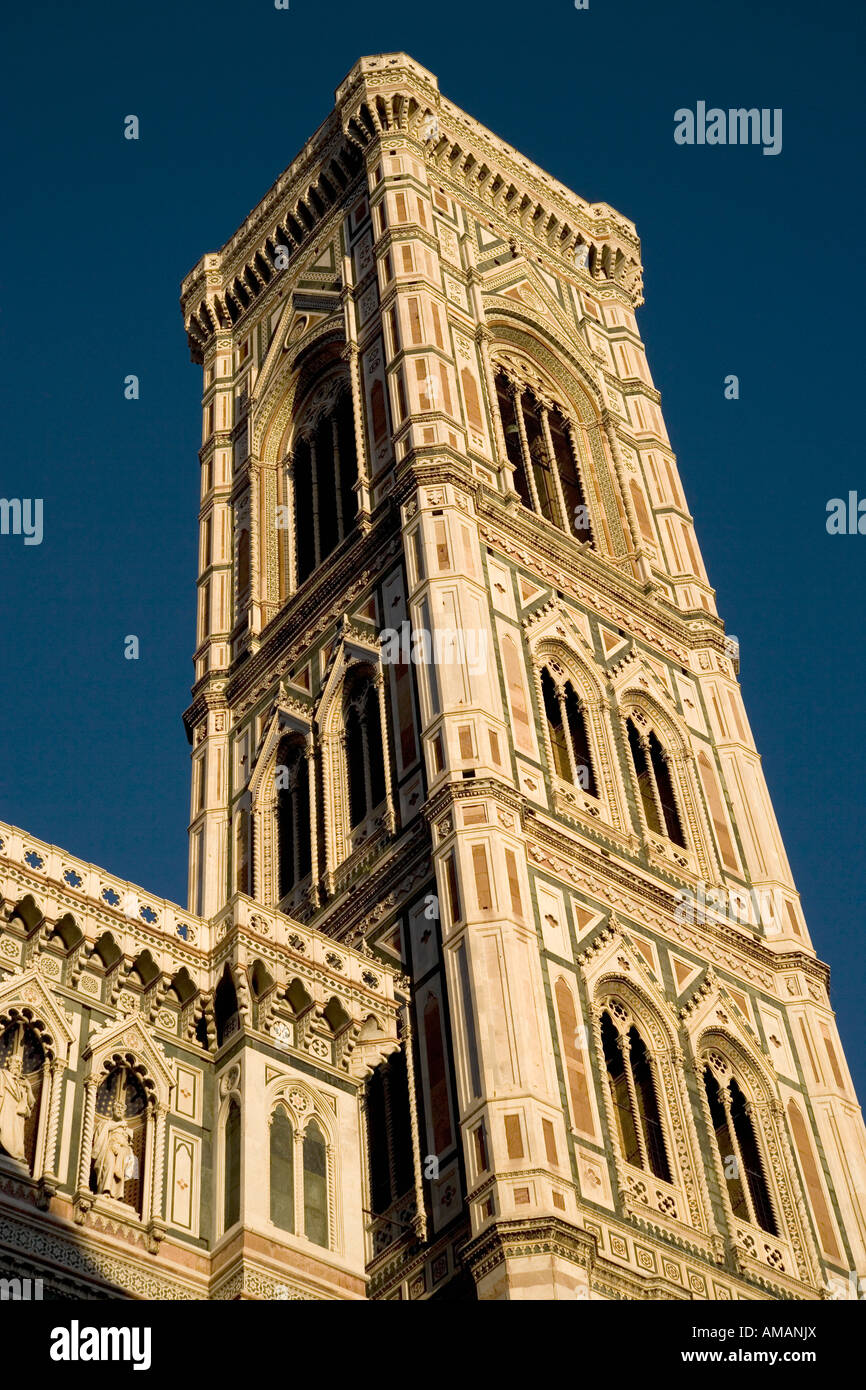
x=389, y=97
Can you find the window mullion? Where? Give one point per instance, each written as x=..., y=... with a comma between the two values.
x=296, y=837
x=389, y=1132
x=365, y=747
x=554, y=468
x=625, y=1048
x=651, y=773
x=725, y=1097
x=517, y=398
x=566, y=733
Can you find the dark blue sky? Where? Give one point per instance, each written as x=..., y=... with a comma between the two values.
x=751, y=268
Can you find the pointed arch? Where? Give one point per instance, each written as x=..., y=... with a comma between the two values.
x=548, y=368
x=575, y=709
x=664, y=775
x=355, y=738
x=756, y=1173
x=646, y=1094
x=304, y=1154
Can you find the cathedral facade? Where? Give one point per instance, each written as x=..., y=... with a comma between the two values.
x=493, y=981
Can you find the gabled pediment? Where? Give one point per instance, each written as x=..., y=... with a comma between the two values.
x=29, y=993
x=712, y=1007
x=352, y=645
x=288, y=716
x=128, y=1035
x=555, y=623
x=519, y=285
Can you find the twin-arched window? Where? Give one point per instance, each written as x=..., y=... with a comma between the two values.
x=365, y=765
x=542, y=451
x=567, y=730
x=631, y=1082
x=324, y=470
x=654, y=784
x=637, y=1116
x=294, y=847
x=738, y=1149
x=305, y=1155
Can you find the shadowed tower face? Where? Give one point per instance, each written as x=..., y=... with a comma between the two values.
x=463, y=701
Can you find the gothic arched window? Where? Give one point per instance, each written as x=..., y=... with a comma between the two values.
x=738, y=1150
x=567, y=731
x=226, y=1013
x=324, y=469
x=541, y=447
x=293, y=813
x=631, y=1082
x=315, y=1185
x=365, y=765
x=389, y=1133
x=654, y=784
x=117, y=1167
x=282, y=1175
x=22, y=1058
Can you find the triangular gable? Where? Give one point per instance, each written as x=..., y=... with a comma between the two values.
x=130, y=1035
x=288, y=716
x=28, y=991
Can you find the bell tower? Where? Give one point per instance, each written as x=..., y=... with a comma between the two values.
x=463, y=702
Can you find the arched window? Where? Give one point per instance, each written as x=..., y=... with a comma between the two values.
x=226, y=1012
x=232, y=1166
x=22, y=1058
x=389, y=1133
x=365, y=765
x=315, y=1185
x=566, y=728
x=293, y=813
x=324, y=470
x=654, y=784
x=541, y=449
x=282, y=1145
x=633, y=1093
x=738, y=1149
x=117, y=1167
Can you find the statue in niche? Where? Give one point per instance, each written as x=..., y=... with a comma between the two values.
x=113, y=1154
x=16, y=1103
x=119, y=1136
